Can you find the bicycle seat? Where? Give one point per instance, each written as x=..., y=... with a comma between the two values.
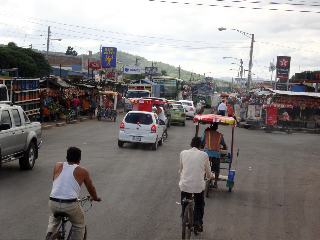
x=60, y=214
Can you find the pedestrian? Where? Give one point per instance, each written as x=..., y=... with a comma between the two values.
x=74, y=105
x=94, y=103
x=160, y=113
x=212, y=140
x=222, y=108
x=194, y=164
x=230, y=110
x=67, y=180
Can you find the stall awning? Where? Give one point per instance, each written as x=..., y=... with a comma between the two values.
x=306, y=94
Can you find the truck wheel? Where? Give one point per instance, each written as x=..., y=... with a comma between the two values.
x=29, y=158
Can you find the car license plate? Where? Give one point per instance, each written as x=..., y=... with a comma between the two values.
x=136, y=138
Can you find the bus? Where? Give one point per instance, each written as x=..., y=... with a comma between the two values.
x=204, y=92
x=169, y=86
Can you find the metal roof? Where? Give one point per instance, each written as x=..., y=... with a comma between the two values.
x=306, y=94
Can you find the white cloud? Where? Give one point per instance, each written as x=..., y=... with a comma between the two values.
x=122, y=24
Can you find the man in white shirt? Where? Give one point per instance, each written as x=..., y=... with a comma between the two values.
x=222, y=108
x=160, y=112
x=193, y=165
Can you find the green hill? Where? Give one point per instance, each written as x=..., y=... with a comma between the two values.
x=129, y=59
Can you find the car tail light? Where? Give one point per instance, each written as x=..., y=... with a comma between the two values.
x=122, y=126
x=183, y=114
x=191, y=109
x=153, y=129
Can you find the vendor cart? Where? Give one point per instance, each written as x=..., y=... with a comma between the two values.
x=103, y=111
x=274, y=121
x=225, y=156
x=254, y=116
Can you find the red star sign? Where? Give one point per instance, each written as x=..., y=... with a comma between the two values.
x=283, y=62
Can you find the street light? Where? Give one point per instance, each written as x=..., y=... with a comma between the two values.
x=251, y=52
x=48, y=41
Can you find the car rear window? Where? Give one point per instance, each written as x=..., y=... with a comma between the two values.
x=187, y=103
x=180, y=107
x=142, y=118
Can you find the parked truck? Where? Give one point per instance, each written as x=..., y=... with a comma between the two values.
x=19, y=137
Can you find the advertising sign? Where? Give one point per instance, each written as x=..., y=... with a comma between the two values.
x=209, y=79
x=283, y=67
x=272, y=116
x=151, y=70
x=132, y=70
x=95, y=65
x=77, y=67
x=109, y=57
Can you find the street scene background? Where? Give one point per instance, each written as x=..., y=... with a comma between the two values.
x=275, y=194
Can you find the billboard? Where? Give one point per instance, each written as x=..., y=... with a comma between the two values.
x=132, y=70
x=283, y=67
x=151, y=70
x=109, y=57
x=95, y=65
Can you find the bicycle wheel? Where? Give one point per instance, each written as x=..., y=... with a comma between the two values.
x=187, y=223
x=289, y=129
x=68, y=119
x=208, y=187
x=56, y=235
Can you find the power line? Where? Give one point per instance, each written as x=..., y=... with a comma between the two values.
x=239, y=7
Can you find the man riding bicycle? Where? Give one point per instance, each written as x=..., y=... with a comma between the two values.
x=193, y=165
x=212, y=140
x=67, y=180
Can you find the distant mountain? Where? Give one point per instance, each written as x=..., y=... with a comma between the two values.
x=129, y=59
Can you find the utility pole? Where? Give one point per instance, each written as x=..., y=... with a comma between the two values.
x=48, y=41
x=250, y=65
x=30, y=46
x=179, y=71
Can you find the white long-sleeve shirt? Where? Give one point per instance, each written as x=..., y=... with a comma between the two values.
x=193, y=165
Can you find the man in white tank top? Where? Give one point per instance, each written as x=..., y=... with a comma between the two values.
x=159, y=111
x=67, y=180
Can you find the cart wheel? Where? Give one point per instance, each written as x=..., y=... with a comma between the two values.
x=289, y=129
x=269, y=129
x=230, y=189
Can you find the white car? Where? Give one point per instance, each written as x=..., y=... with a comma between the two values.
x=189, y=107
x=141, y=127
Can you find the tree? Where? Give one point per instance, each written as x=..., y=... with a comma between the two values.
x=28, y=62
x=70, y=51
x=164, y=73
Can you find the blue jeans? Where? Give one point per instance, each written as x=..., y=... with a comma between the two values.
x=75, y=108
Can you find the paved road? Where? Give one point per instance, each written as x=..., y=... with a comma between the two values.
x=275, y=195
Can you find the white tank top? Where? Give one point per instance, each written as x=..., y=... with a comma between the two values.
x=161, y=115
x=65, y=186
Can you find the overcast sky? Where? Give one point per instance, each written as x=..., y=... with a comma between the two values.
x=174, y=33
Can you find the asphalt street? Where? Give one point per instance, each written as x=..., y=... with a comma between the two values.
x=275, y=194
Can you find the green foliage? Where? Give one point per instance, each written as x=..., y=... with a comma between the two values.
x=70, y=51
x=28, y=62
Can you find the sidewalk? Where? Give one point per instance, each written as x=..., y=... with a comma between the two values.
x=295, y=129
x=47, y=125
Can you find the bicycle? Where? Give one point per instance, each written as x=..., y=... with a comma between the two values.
x=188, y=219
x=286, y=127
x=71, y=116
x=61, y=232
